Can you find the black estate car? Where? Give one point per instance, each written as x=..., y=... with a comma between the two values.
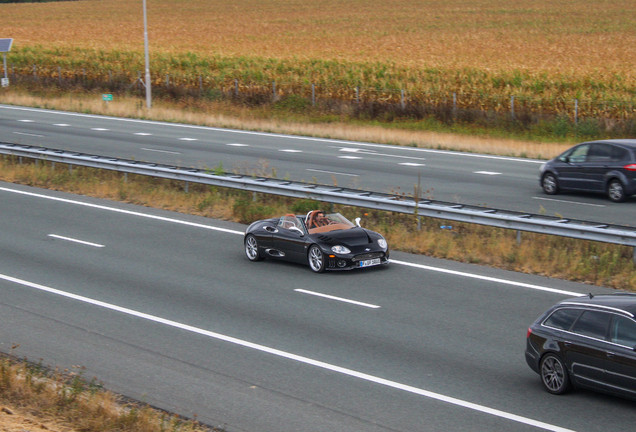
x=607, y=166
x=586, y=342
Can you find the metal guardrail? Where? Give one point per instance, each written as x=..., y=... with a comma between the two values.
x=585, y=230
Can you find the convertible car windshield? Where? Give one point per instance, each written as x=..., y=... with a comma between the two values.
x=318, y=221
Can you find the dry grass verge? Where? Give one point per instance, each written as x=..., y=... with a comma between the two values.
x=32, y=396
x=227, y=115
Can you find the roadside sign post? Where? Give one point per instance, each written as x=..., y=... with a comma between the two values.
x=107, y=98
x=5, y=47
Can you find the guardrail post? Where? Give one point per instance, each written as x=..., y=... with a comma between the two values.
x=454, y=105
x=187, y=189
x=313, y=94
x=634, y=257
x=402, y=94
x=512, y=106
x=518, y=237
x=576, y=112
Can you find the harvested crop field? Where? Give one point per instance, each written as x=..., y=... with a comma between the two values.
x=551, y=49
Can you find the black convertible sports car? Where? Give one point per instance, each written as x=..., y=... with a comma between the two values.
x=324, y=241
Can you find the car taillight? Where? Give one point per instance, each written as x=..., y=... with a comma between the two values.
x=529, y=333
x=630, y=167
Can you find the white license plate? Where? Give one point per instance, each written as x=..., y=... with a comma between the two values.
x=369, y=263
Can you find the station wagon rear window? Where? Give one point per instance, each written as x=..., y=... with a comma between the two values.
x=562, y=319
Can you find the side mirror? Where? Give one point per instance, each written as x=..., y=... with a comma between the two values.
x=358, y=222
x=298, y=230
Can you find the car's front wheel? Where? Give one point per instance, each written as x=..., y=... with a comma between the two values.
x=251, y=248
x=554, y=375
x=616, y=191
x=550, y=183
x=316, y=259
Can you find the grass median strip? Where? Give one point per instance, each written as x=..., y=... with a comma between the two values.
x=571, y=259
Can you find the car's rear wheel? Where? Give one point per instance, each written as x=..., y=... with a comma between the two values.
x=251, y=248
x=554, y=374
x=616, y=191
x=316, y=259
x=550, y=184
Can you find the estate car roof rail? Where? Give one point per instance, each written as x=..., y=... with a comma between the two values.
x=623, y=311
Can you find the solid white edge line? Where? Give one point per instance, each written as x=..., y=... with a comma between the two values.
x=568, y=202
x=298, y=358
x=76, y=241
x=488, y=278
x=386, y=146
x=229, y=231
x=128, y=212
x=337, y=298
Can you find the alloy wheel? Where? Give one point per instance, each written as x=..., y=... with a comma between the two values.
x=316, y=259
x=554, y=375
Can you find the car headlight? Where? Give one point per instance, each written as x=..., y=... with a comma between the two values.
x=382, y=243
x=340, y=250
x=542, y=168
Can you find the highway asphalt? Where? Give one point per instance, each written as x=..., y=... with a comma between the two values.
x=467, y=178
x=165, y=308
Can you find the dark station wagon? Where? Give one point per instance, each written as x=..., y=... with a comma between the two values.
x=607, y=166
x=586, y=342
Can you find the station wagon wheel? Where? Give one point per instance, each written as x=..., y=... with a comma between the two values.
x=550, y=184
x=316, y=259
x=616, y=191
x=554, y=375
x=251, y=248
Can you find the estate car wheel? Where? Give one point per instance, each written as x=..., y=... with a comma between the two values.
x=550, y=184
x=316, y=259
x=251, y=249
x=616, y=191
x=554, y=374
